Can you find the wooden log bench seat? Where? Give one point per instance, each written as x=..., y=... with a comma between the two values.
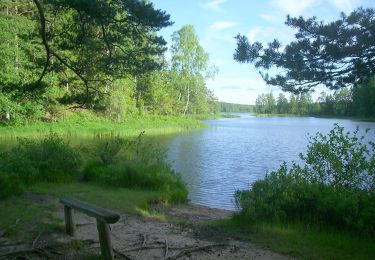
x=104, y=217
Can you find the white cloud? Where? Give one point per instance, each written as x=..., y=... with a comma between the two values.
x=253, y=34
x=294, y=7
x=213, y=5
x=268, y=33
x=221, y=25
x=346, y=6
x=243, y=90
x=217, y=32
x=267, y=17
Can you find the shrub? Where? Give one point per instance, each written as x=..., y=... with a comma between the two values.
x=135, y=164
x=340, y=159
x=50, y=159
x=335, y=186
x=10, y=185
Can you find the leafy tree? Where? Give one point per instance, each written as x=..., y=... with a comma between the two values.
x=304, y=102
x=231, y=107
x=189, y=64
x=292, y=104
x=282, y=104
x=364, y=99
x=337, y=54
x=260, y=104
x=91, y=42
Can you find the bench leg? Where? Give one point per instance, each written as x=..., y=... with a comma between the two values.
x=69, y=223
x=105, y=240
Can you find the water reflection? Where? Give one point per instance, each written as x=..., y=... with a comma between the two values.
x=232, y=153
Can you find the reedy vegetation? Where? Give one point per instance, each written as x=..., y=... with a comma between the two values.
x=115, y=162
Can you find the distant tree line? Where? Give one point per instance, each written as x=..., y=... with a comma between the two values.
x=359, y=101
x=235, y=108
x=58, y=57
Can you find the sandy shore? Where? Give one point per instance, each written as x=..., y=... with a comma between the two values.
x=182, y=236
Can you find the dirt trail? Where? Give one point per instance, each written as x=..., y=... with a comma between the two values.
x=136, y=237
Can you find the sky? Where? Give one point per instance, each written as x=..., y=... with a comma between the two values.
x=217, y=22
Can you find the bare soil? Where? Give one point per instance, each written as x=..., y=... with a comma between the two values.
x=183, y=236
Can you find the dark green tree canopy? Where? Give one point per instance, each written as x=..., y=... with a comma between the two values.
x=335, y=54
x=96, y=41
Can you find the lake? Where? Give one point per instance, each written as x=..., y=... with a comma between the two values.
x=231, y=153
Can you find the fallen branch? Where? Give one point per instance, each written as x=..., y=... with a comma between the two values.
x=37, y=238
x=144, y=238
x=121, y=254
x=40, y=249
x=166, y=249
x=194, y=249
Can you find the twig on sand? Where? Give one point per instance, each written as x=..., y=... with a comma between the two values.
x=194, y=249
x=166, y=249
x=121, y=254
x=37, y=238
x=144, y=239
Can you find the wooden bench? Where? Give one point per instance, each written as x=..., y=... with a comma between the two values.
x=104, y=217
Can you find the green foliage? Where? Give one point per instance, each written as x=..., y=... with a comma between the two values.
x=364, y=99
x=135, y=164
x=235, y=108
x=340, y=159
x=190, y=67
x=301, y=104
x=334, y=188
x=10, y=185
x=337, y=54
x=50, y=159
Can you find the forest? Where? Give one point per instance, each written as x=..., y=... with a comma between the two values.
x=63, y=57
x=357, y=102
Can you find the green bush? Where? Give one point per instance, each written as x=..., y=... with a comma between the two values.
x=50, y=159
x=135, y=164
x=10, y=185
x=329, y=190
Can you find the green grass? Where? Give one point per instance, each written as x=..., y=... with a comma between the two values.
x=33, y=217
x=99, y=126
x=300, y=241
x=122, y=199
x=35, y=208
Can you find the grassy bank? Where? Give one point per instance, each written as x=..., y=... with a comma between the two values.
x=304, y=242
x=81, y=125
x=41, y=201
x=323, y=207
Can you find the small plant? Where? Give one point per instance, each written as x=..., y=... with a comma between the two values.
x=340, y=159
x=333, y=188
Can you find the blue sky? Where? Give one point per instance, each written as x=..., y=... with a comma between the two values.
x=217, y=22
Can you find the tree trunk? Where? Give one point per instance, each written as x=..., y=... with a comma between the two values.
x=16, y=61
x=187, y=100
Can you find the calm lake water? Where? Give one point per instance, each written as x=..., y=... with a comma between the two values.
x=234, y=152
